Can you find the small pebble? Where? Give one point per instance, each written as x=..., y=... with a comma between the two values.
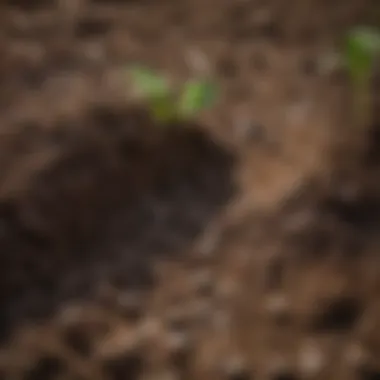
x=94, y=52
x=151, y=328
x=329, y=63
x=71, y=315
x=300, y=220
x=311, y=360
x=207, y=247
x=197, y=61
x=122, y=341
x=180, y=347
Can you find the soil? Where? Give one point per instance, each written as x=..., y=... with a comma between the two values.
x=241, y=246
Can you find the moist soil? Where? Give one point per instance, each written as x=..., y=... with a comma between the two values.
x=241, y=246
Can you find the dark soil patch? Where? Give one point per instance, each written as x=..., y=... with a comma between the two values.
x=120, y=191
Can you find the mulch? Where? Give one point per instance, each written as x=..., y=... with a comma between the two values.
x=243, y=245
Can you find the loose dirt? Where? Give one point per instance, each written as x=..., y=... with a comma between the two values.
x=243, y=246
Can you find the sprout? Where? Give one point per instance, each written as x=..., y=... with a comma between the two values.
x=361, y=49
x=195, y=96
x=165, y=103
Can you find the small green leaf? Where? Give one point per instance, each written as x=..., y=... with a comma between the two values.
x=196, y=96
x=363, y=44
x=163, y=109
x=149, y=84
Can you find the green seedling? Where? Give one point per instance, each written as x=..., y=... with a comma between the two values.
x=361, y=50
x=168, y=104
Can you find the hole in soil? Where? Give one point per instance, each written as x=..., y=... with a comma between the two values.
x=106, y=208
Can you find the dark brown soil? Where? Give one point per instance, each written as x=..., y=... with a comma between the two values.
x=244, y=246
x=119, y=190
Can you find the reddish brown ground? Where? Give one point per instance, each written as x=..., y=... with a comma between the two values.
x=245, y=247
